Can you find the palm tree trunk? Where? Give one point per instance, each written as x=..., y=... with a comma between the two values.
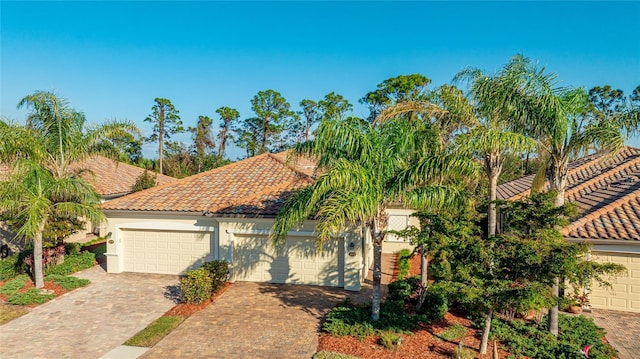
x=553, y=312
x=493, y=166
x=485, y=332
x=424, y=266
x=424, y=275
x=38, y=274
x=377, y=276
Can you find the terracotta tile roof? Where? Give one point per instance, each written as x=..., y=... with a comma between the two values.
x=606, y=190
x=256, y=186
x=112, y=178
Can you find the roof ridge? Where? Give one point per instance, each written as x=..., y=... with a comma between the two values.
x=598, y=213
x=281, y=185
x=607, y=174
x=120, y=163
x=180, y=181
x=292, y=168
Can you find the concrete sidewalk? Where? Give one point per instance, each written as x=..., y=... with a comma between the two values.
x=90, y=321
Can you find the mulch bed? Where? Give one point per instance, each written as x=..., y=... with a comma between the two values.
x=48, y=285
x=419, y=344
x=186, y=309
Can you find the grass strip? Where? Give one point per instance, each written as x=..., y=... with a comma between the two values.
x=155, y=331
x=9, y=313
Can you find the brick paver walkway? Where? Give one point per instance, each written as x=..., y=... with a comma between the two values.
x=90, y=321
x=623, y=330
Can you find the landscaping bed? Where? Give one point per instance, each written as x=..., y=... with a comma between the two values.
x=441, y=338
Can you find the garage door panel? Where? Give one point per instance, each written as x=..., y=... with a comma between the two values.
x=624, y=293
x=298, y=261
x=165, y=252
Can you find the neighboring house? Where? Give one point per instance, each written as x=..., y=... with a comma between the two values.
x=606, y=190
x=111, y=179
x=227, y=213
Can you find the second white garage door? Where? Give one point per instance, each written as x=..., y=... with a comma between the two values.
x=165, y=252
x=297, y=261
x=625, y=291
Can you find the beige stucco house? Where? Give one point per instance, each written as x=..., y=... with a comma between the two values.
x=606, y=190
x=227, y=213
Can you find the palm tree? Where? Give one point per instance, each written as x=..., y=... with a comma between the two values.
x=61, y=134
x=558, y=118
x=35, y=196
x=492, y=109
x=364, y=168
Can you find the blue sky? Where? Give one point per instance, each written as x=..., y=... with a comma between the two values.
x=111, y=59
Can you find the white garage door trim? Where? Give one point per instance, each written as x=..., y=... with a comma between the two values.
x=159, y=226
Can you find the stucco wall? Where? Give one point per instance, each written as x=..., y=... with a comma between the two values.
x=225, y=229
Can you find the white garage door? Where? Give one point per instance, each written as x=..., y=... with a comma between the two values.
x=165, y=252
x=298, y=261
x=625, y=293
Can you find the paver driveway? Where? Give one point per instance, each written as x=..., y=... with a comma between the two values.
x=623, y=330
x=254, y=320
x=90, y=321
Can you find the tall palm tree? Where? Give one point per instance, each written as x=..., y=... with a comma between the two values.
x=492, y=108
x=35, y=196
x=557, y=118
x=364, y=169
x=62, y=134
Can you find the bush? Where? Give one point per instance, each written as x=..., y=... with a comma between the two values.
x=73, y=264
x=72, y=248
x=453, y=332
x=14, y=285
x=10, y=267
x=390, y=340
x=68, y=283
x=196, y=286
x=31, y=296
x=400, y=290
x=435, y=304
x=404, y=266
x=219, y=273
x=355, y=320
x=535, y=341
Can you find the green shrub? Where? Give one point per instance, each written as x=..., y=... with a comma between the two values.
x=68, y=283
x=219, y=273
x=14, y=285
x=400, y=290
x=390, y=340
x=355, y=320
x=73, y=264
x=435, y=304
x=535, y=341
x=10, y=267
x=31, y=296
x=196, y=286
x=325, y=354
x=404, y=266
x=453, y=332
x=72, y=248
